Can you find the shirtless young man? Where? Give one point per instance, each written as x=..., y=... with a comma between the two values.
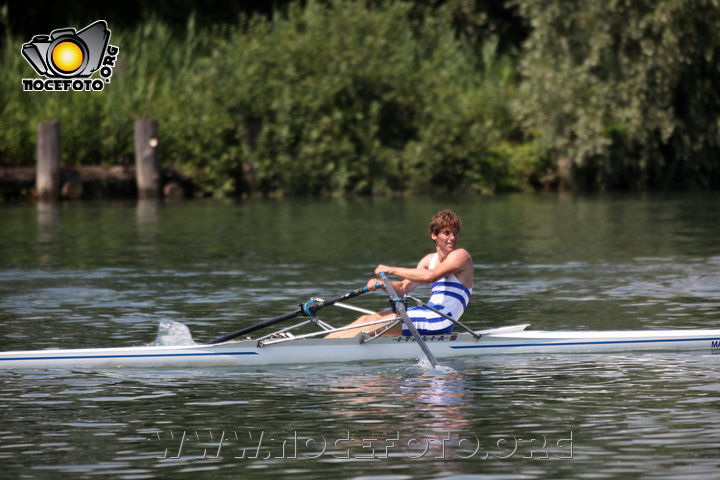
x=450, y=271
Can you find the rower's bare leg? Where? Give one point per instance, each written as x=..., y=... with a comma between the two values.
x=395, y=331
x=387, y=314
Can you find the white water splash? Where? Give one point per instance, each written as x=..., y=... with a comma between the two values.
x=428, y=368
x=173, y=333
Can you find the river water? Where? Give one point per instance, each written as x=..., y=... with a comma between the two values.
x=106, y=273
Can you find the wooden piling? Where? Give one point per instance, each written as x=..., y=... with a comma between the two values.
x=47, y=176
x=147, y=166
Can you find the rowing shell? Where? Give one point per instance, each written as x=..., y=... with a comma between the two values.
x=507, y=340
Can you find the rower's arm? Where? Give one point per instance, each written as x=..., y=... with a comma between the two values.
x=454, y=263
x=402, y=287
x=407, y=285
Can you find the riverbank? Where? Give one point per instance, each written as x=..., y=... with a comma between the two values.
x=91, y=182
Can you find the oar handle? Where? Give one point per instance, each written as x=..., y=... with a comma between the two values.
x=399, y=308
x=311, y=307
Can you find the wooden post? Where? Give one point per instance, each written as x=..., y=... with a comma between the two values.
x=147, y=166
x=47, y=177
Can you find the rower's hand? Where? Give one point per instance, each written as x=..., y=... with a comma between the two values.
x=382, y=268
x=373, y=284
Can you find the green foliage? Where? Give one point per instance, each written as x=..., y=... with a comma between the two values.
x=329, y=98
x=353, y=97
x=627, y=91
x=342, y=99
x=96, y=127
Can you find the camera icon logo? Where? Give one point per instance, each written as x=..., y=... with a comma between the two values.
x=69, y=54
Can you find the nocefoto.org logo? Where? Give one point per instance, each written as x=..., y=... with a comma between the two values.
x=67, y=59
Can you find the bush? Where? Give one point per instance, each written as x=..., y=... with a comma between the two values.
x=330, y=98
x=627, y=91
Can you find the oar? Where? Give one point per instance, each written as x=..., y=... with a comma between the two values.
x=399, y=308
x=477, y=336
x=306, y=309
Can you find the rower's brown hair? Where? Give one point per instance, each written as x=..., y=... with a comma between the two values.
x=444, y=219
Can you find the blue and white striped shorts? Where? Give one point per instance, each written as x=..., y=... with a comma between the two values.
x=428, y=322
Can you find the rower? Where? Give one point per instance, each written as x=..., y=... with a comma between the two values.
x=448, y=269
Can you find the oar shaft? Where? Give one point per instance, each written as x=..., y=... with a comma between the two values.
x=257, y=326
x=456, y=322
x=402, y=313
x=308, y=309
x=318, y=304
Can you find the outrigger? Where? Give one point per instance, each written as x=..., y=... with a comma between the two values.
x=284, y=347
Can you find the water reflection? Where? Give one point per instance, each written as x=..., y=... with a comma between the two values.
x=427, y=401
x=404, y=413
x=390, y=418
x=48, y=215
x=48, y=218
x=146, y=215
x=439, y=400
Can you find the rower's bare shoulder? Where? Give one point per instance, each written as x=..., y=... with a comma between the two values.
x=466, y=271
x=462, y=255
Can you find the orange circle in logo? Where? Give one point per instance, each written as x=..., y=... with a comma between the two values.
x=67, y=56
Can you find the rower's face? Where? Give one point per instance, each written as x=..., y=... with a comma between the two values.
x=446, y=238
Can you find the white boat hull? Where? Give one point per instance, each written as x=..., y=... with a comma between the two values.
x=506, y=340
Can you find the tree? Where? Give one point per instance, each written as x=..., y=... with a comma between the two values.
x=627, y=91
